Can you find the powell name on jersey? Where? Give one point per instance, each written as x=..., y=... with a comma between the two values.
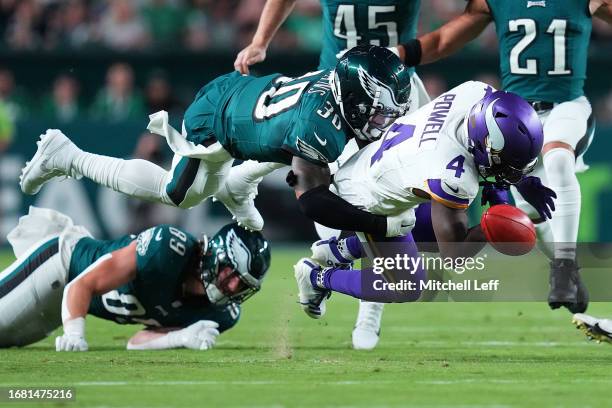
x=426, y=150
x=154, y=296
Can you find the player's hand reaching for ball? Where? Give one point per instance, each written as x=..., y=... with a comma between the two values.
x=494, y=194
x=538, y=195
x=250, y=55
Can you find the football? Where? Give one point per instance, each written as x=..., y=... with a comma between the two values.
x=508, y=229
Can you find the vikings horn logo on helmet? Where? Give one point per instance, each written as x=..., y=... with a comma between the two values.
x=380, y=93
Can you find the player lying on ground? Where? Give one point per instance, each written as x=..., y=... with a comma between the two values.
x=543, y=58
x=275, y=119
x=594, y=328
x=437, y=154
x=183, y=290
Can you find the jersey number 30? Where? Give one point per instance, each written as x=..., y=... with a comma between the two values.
x=557, y=29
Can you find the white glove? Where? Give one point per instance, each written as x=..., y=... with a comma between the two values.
x=401, y=224
x=201, y=335
x=73, y=338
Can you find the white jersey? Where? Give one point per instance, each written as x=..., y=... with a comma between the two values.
x=425, y=150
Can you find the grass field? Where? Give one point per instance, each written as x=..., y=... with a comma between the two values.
x=430, y=355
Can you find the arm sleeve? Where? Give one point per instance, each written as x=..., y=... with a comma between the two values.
x=326, y=208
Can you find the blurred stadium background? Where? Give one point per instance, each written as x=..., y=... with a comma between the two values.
x=97, y=68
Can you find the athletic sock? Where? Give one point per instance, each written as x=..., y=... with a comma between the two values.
x=252, y=172
x=136, y=178
x=546, y=239
x=560, y=169
x=347, y=281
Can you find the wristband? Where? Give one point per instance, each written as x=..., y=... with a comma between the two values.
x=413, y=52
x=75, y=327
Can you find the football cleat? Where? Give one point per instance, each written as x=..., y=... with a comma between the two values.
x=329, y=252
x=594, y=328
x=312, y=299
x=566, y=287
x=238, y=197
x=50, y=160
x=367, y=328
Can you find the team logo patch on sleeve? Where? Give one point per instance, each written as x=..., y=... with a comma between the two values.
x=310, y=152
x=143, y=241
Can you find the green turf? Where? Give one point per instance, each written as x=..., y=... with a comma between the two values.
x=430, y=355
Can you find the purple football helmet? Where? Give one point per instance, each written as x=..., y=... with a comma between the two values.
x=505, y=136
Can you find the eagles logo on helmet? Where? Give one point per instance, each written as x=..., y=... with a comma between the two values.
x=372, y=88
x=234, y=264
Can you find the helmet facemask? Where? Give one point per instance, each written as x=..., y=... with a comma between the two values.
x=225, y=275
x=368, y=121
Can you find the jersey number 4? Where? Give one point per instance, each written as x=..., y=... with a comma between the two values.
x=557, y=29
x=345, y=16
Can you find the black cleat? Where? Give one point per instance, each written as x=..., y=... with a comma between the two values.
x=566, y=287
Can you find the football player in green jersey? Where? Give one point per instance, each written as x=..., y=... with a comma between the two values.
x=185, y=291
x=543, y=48
x=303, y=122
x=346, y=24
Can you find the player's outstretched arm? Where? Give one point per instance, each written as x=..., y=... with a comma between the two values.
x=452, y=232
x=274, y=14
x=201, y=335
x=311, y=185
x=107, y=273
x=449, y=38
x=602, y=9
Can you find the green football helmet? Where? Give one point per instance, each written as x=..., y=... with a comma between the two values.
x=234, y=264
x=372, y=88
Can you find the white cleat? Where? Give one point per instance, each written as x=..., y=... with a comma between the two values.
x=312, y=299
x=238, y=197
x=367, y=328
x=594, y=328
x=53, y=147
x=328, y=253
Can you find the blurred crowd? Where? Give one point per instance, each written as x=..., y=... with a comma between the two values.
x=154, y=25
x=128, y=25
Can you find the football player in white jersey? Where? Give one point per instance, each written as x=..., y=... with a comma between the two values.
x=439, y=154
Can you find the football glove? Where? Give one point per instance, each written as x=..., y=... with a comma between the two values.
x=73, y=338
x=538, y=195
x=494, y=194
x=401, y=224
x=201, y=335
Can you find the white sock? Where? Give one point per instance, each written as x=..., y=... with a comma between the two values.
x=560, y=169
x=546, y=239
x=252, y=172
x=136, y=178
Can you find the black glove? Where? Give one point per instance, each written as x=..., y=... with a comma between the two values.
x=538, y=195
x=494, y=193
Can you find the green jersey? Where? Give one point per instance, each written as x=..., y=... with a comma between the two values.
x=348, y=23
x=154, y=296
x=543, y=47
x=269, y=119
